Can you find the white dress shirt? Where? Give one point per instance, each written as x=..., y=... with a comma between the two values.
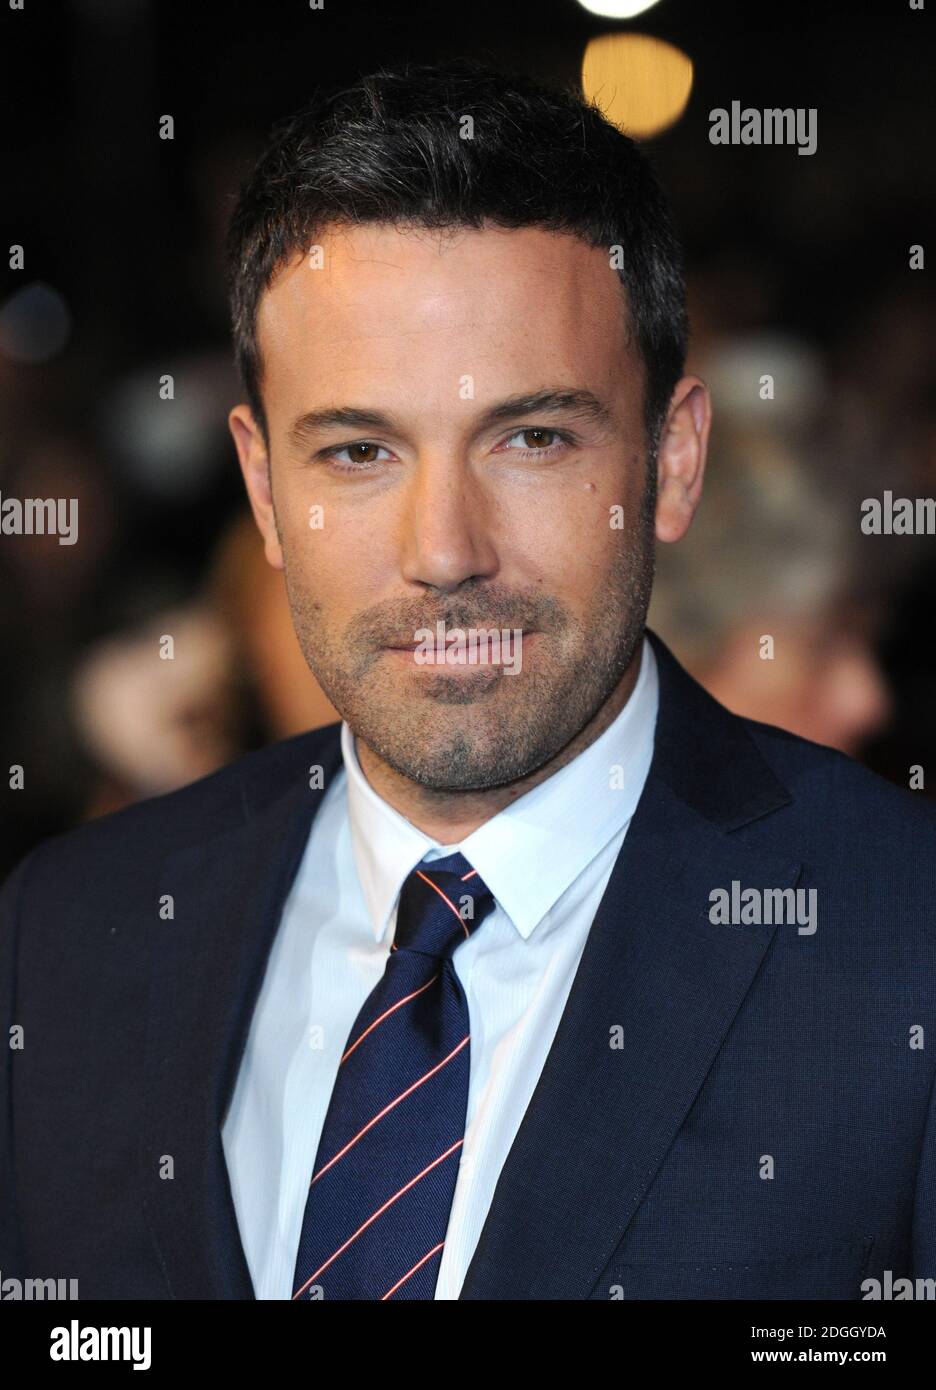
x=546, y=858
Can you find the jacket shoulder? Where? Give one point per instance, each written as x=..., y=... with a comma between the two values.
x=831, y=783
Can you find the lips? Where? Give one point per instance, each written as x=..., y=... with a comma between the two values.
x=410, y=646
x=473, y=652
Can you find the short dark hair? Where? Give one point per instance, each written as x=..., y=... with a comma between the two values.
x=390, y=149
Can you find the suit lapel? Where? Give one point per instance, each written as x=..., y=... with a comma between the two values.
x=661, y=979
x=206, y=969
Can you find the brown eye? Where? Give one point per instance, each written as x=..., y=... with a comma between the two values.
x=535, y=439
x=364, y=452
x=538, y=439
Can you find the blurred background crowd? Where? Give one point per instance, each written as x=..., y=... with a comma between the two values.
x=798, y=267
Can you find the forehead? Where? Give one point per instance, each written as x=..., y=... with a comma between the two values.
x=497, y=304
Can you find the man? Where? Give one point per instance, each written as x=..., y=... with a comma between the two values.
x=541, y=975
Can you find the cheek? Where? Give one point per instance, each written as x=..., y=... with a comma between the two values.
x=567, y=545
x=334, y=556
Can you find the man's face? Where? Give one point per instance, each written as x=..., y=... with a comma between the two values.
x=433, y=509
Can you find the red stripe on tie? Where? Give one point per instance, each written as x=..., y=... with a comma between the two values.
x=380, y=1114
x=380, y=1210
x=418, y=1265
x=386, y=1014
x=445, y=898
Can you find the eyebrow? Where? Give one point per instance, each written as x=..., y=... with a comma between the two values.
x=576, y=403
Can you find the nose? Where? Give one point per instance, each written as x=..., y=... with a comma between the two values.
x=446, y=525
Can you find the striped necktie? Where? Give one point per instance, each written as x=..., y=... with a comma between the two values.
x=384, y=1177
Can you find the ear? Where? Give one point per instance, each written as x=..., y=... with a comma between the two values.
x=255, y=466
x=681, y=458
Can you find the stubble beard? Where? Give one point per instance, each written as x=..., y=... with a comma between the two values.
x=452, y=732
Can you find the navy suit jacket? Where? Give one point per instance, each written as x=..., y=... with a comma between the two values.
x=728, y=1110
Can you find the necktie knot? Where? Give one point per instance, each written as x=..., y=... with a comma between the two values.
x=441, y=903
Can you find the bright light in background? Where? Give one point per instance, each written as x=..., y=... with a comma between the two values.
x=617, y=9
x=641, y=84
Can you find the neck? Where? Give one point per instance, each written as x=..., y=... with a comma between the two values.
x=448, y=817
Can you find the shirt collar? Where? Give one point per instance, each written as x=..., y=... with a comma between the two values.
x=533, y=850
